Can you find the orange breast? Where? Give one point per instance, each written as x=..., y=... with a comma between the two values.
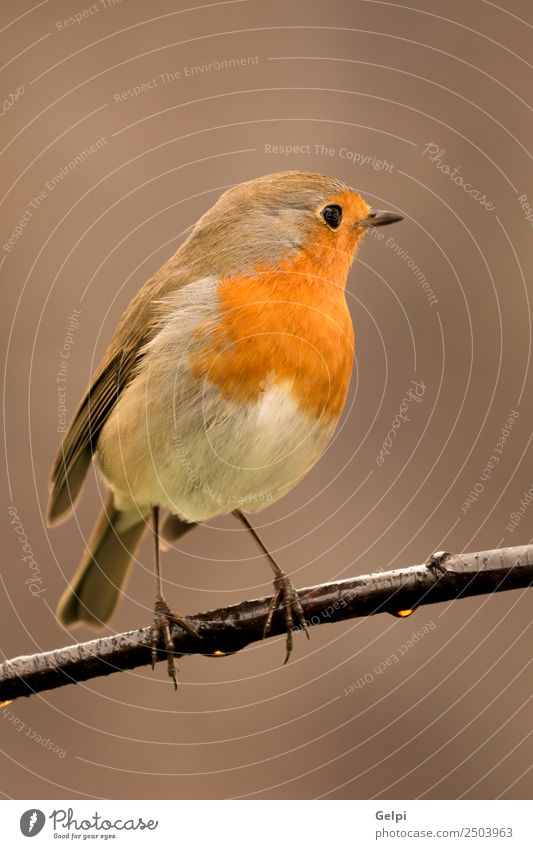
x=286, y=326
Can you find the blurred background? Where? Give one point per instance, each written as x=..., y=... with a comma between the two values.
x=122, y=122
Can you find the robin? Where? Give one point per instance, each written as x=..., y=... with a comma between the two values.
x=222, y=385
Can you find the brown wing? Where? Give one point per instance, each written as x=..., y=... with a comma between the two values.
x=80, y=441
x=135, y=329
x=194, y=260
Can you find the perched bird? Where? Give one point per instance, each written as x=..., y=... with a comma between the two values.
x=222, y=385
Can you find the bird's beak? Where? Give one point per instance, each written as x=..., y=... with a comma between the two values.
x=379, y=218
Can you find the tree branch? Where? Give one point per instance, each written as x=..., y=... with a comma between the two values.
x=444, y=577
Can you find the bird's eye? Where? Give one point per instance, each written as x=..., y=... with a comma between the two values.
x=332, y=215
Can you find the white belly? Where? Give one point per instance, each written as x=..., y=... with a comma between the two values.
x=214, y=459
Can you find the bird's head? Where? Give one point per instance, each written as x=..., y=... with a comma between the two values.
x=274, y=219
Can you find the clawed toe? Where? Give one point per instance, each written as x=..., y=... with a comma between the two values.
x=292, y=608
x=162, y=629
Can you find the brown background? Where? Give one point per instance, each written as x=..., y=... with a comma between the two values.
x=451, y=718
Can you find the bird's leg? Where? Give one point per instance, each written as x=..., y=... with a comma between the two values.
x=284, y=593
x=163, y=616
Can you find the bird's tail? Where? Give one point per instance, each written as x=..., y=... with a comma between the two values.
x=95, y=589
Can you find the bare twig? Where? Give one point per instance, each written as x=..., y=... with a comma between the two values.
x=444, y=577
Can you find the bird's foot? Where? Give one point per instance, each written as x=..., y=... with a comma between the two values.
x=292, y=609
x=164, y=618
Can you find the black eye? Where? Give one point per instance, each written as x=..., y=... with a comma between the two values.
x=332, y=215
